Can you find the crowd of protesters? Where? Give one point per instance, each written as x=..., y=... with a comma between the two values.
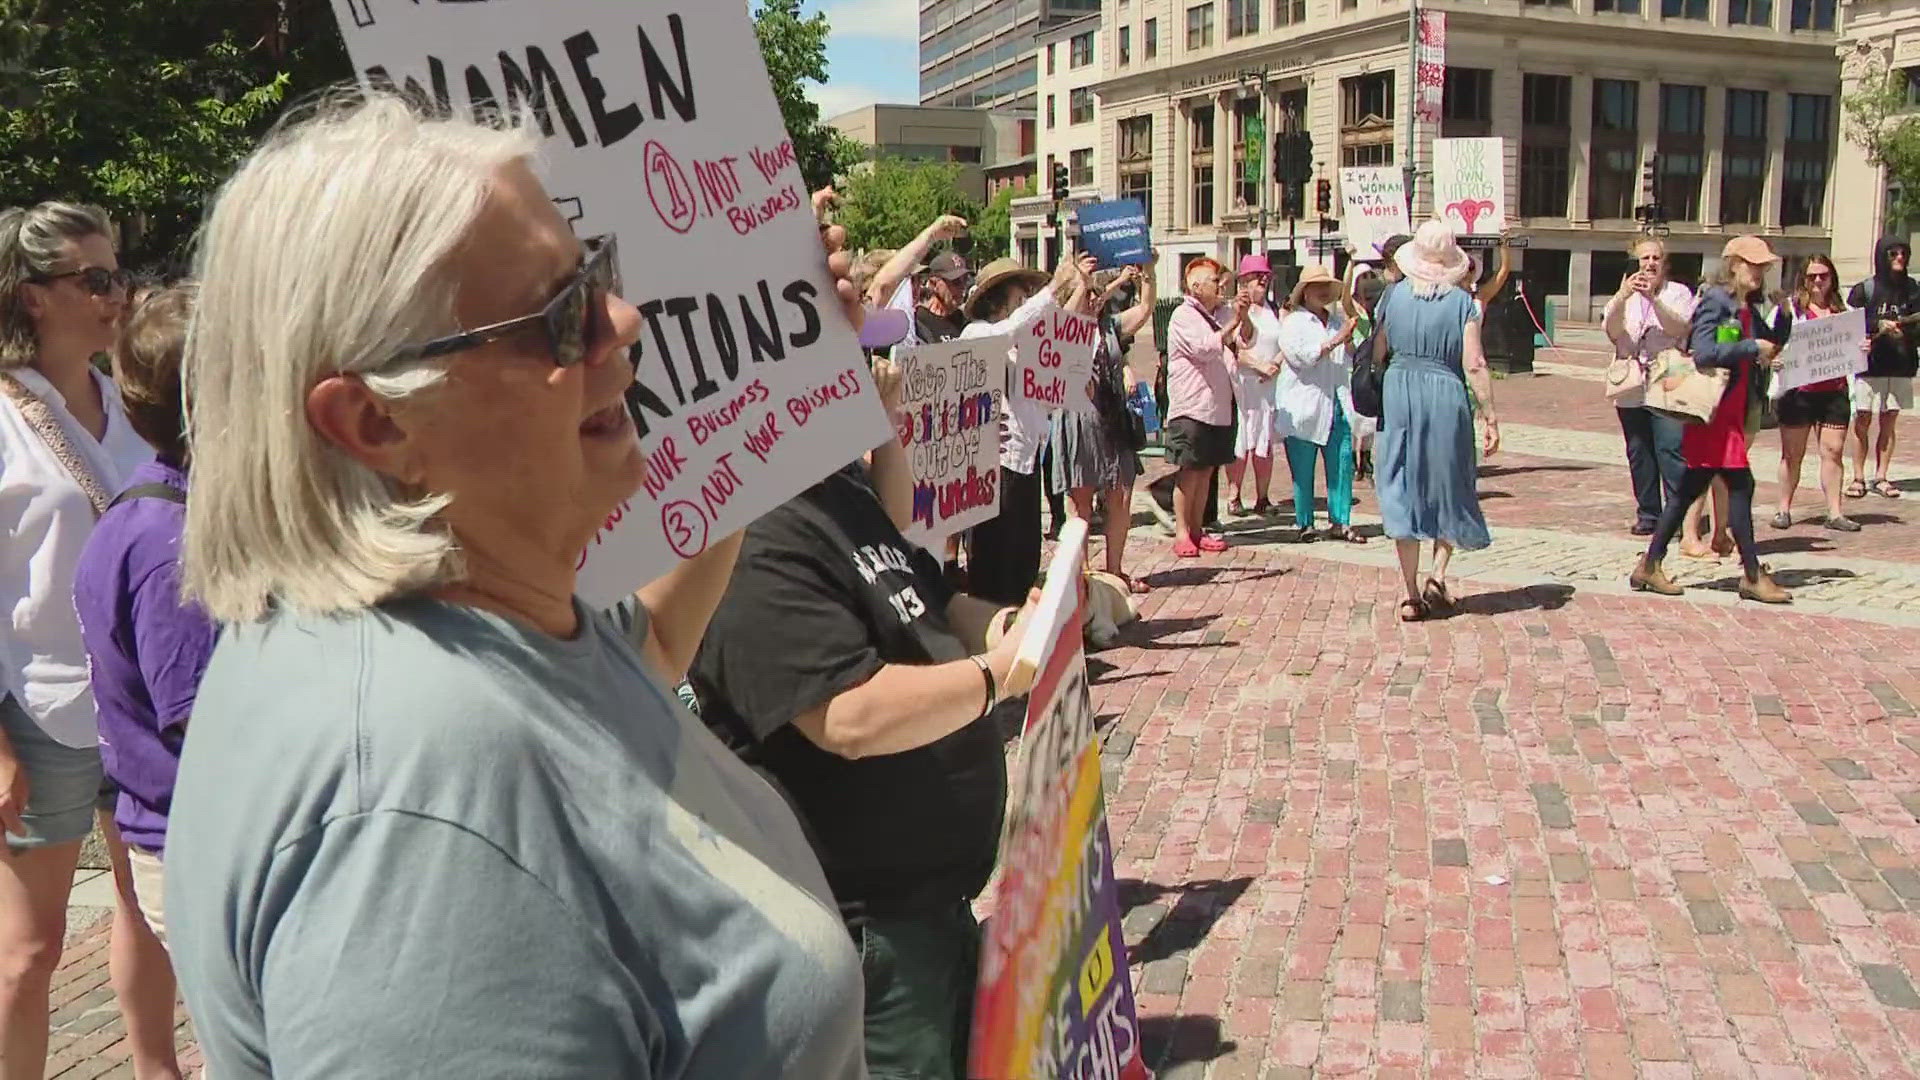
x=435, y=816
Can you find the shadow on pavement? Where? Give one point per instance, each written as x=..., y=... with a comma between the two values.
x=1507, y=601
x=1204, y=575
x=1796, y=578
x=1793, y=545
x=1196, y=906
x=1167, y=1041
x=1509, y=470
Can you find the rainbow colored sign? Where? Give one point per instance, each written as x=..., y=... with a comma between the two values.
x=1055, y=1001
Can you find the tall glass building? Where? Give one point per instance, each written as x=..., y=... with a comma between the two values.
x=981, y=53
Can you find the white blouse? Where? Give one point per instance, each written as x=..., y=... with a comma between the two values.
x=1023, y=425
x=1311, y=385
x=47, y=520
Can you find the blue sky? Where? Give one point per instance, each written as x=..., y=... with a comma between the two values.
x=872, y=54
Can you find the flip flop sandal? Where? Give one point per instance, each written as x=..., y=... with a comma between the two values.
x=1414, y=611
x=1346, y=534
x=1436, y=595
x=1856, y=489
x=1137, y=588
x=1884, y=488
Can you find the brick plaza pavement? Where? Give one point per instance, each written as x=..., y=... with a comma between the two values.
x=1566, y=832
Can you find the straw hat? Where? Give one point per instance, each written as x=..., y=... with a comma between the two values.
x=1431, y=257
x=1312, y=275
x=997, y=271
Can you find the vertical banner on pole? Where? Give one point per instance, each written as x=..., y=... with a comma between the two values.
x=1430, y=66
x=1055, y=1001
x=1470, y=184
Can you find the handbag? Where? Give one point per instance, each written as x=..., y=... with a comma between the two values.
x=44, y=424
x=1676, y=388
x=1625, y=375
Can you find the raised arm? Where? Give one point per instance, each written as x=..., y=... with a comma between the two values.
x=896, y=269
x=1499, y=279
x=1140, y=314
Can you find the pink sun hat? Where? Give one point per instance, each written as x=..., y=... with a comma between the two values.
x=1432, y=256
x=1253, y=264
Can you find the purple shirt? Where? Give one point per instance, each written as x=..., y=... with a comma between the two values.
x=145, y=650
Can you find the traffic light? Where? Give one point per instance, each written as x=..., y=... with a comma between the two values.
x=1293, y=200
x=1323, y=197
x=1059, y=182
x=1292, y=157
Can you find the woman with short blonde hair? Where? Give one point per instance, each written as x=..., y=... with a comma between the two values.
x=419, y=762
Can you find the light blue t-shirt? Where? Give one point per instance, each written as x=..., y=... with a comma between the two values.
x=423, y=841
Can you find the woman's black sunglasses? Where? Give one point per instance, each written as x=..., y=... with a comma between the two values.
x=573, y=319
x=95, y=279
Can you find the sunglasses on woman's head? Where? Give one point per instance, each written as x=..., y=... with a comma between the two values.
x=572, y=319
x=97, y=280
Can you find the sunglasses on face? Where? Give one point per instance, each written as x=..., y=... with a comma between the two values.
x=95, y=279
x=572, y=319
x=1819, y=275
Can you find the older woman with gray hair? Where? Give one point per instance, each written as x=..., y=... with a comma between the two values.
x=436, y=818
x=65, y=448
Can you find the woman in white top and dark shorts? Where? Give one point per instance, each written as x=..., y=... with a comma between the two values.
x=65, y=450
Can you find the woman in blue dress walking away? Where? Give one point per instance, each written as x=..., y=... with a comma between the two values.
x=1424, y=461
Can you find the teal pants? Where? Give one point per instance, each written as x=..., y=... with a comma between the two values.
x=920, y=973
x=1339, y=456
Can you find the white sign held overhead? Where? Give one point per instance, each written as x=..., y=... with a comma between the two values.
x=657, y=125
x=1373, y=207
x=1824, y=348
x=1056, y=360
x=1470, y=184
x=950, y=403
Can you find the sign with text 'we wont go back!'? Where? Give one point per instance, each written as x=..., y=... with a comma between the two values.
x=657, y=125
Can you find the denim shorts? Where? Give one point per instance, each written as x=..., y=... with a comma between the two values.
x=65, y=785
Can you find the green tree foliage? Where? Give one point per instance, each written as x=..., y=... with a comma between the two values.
x=144, y=106
x=993, y=231
x=795, y=50
x=887, y=203
x=1882, y=121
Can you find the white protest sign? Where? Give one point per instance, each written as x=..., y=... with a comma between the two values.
x=1824, y=348
x=1373, y=207
x=1470, y=184
x=950, y=403
x=1056, y=360
x=658, y=125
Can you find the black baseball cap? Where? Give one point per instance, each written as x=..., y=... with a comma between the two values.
x=948, y=265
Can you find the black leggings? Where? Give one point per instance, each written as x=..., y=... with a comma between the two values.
x=1003, y=554
x=1693, y=484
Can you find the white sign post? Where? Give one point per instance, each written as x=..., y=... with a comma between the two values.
x=1470, y=184
x=1373, y=207
x=658, y=126
x=1824, y=348
x=1056, y=360
x=950, y=396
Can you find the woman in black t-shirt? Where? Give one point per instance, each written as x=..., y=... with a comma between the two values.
x=842, y=666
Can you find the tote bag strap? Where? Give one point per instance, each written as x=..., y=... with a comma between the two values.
x=47, y=426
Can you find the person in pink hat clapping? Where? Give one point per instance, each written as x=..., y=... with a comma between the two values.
x=1256, y=356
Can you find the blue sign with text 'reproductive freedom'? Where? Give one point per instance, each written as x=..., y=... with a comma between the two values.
x=1115, y=233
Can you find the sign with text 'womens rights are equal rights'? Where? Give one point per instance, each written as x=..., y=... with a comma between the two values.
x=1822, y=349
x=657, y=125
x=950, y=429
x=1055, y=361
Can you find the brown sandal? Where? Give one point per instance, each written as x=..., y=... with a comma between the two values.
x=1346, y=533
x=1436, y=596
x=1414, y=611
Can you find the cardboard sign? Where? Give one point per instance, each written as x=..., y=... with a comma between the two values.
x=1824, y=348
x=951, y=403
x=1115, y=233
x=1056, y=360
x=1055, y=1000
x=657, y=125
x=1470, y=184
x=1373, y=207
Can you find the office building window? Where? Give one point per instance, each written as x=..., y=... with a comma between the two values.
x=1080, y=106
x=1743, y=158
x=1200, y=160
x=1243, y=17
x=1683, y=149
x=1803, y=191
x=1683, y=9
x=1547, y=270
x=1133, y=153
x=1750, y=12
x=1618, y=7
x=1200, y=26
x=1049, y=112
x=1549, y=3
x=1615, y=156
x=1150, y=39
x=1050, y=57
x=1813, y=14
x=1125, y=46
x=1080, y=168
x=1289, y=12
x=1546, y=127
x=1910, y=84
x=1366, y=120
x=1080, y=50
x=1466, y=103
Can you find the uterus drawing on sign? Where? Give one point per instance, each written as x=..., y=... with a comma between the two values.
x=1470, y=211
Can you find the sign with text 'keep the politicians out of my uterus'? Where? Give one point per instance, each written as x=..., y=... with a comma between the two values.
x=658, y=126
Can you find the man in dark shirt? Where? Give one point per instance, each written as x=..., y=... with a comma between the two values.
x=939, y=318
x=842, y=666
x=1892, y=302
